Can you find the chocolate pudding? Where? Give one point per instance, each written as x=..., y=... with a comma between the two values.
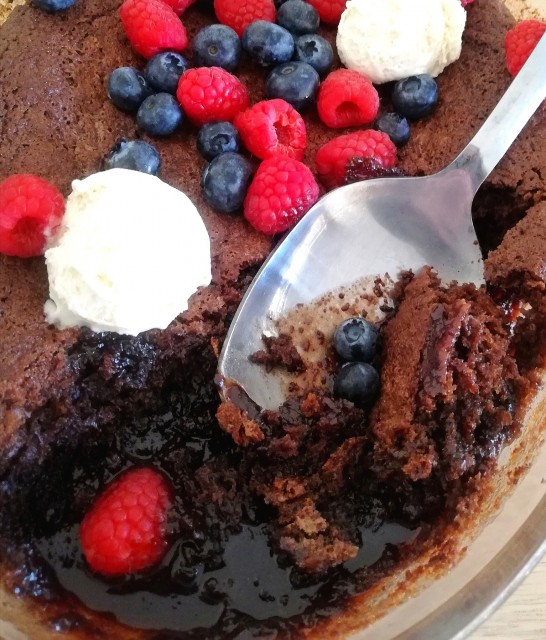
x=281, y=517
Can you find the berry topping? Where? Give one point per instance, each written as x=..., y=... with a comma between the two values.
x=159, y=115
x=333, y=157
x=356, y=340
x=365, y=168
x=179, y=6
x=163, y=71
x=295, y=82
x=520, y=42
x=127, y=88
x=152, y=26
x=396, y=127
x=215, y=138
x=211, y=93
x=329, y=10
x=31, y=209
x=124, y=531
x=347, y=99
x=52, y=6
x=136, y=155
x=283, y=190
x=225, y=181
x=298, y=17
x=268, y=43
x=272, y=127
x=238, y=15
x=217, y=46
x=415, y=97
x=357, y=382
x=316, y=51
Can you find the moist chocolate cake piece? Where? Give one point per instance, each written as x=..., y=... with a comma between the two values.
x=448, y=407
x=516, y=270
x=519, y=263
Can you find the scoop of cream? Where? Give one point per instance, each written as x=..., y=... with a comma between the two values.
x=130, y=252
x=392, y=39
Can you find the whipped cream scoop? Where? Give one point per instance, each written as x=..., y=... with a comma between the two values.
x=393, y=39
x=130, y=252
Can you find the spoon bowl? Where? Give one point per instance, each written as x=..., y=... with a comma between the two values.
x=378, y=227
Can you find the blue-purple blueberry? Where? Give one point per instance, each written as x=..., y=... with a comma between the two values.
x=128, y=88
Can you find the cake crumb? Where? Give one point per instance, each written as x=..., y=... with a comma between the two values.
x=240, y=427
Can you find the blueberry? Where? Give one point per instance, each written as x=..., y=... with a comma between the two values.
x=268, y=43
x=217, y=46
x=356, y=340
x=134, y=154
x=163, y=71
x=159, y=115
x=395, y=126
x=295, y=82
x=415, y=97
x=215, y=138
x=298, y=17
x=316, y=51
x=357, y=382
x=279, y=3
x=128, y=88
x=52, y=6
x=225, y=181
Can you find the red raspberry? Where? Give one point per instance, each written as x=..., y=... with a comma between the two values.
x=329, y=10
x=520, y=42
x=272, y=128
x=347, y=99
x=124, y=531
x=333, y=158
x=465, y=3
x=152, y=26
x=282, y=191
x=211, y=93
x=179, y=6
x=238, y=14
x=31, y=209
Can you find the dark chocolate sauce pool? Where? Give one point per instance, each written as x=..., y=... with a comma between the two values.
x=222, y=576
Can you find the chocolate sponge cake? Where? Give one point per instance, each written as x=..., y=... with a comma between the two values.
x=271, y=535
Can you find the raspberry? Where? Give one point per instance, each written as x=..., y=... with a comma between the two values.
x=211, y=93
x=347, y=99
x=124, y=531
x=152, y=26
x=465, y=3
x=179, y=6
x=272, y=128
x=31, y=209
x=238, y=14
x=329, y=10
x=282, y=191
x=333, y=158
x=520, y=42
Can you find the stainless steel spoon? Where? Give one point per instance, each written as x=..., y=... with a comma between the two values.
x=376, y=227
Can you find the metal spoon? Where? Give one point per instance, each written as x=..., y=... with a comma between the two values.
x=376, y=227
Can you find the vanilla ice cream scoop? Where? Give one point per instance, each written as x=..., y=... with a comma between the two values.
x=129, y=254
x=392, y=39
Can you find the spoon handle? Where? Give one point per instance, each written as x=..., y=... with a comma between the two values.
x=521, y=100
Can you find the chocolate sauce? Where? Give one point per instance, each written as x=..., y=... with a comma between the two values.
x=224, y=571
